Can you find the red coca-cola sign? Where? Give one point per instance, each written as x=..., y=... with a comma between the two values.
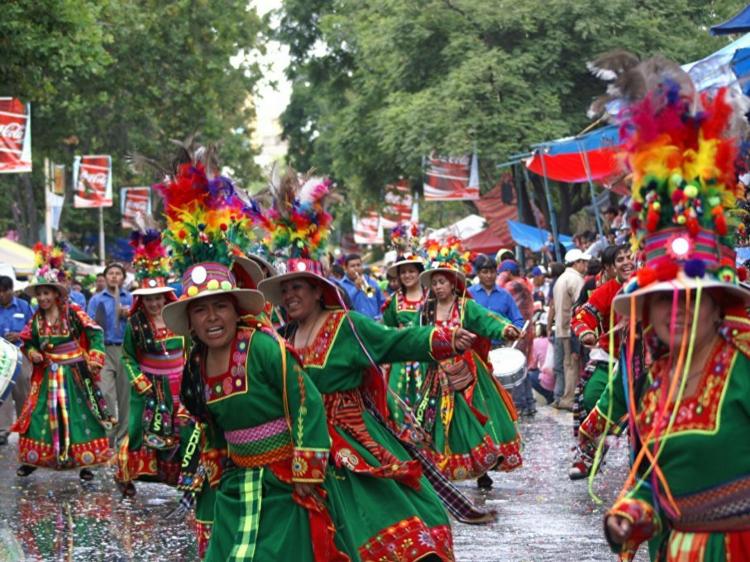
x=134, y=201
x=15, y=136
x=93, y=181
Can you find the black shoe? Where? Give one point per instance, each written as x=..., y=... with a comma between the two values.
x=3, y=438
x=24, y=470
x=484, y=482
x=86, y=475
x=127, y=489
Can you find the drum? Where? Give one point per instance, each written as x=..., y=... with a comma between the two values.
x=508, y=366
x=10, y=368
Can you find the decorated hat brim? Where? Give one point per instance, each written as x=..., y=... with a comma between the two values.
x=393, y=268
x=623, y=302
x=271, y=288
x=249, y=269
x=175, y=314
x=426, y=276
x=146, y=291
x=30, y=289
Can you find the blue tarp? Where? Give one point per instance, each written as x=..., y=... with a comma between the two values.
x=738, y=24
x=534, y=238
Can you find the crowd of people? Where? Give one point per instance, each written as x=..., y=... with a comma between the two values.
x=308, y=411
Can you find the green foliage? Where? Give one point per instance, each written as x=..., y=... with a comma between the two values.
x=377, y=85
x=127, y=76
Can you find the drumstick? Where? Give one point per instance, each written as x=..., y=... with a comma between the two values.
x=523, y=330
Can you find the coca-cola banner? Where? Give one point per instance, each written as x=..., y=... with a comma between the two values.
x=368, y=229
x=398, y=204
x=451, y=179
x=15, y=136
x=134, y=202
x=92, y=181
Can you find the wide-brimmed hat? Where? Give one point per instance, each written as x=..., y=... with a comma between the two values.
x=426, y=276
x=447, y=256
x=409, y=259
x=302, y=268
x=248, y=272
x=205, y=280
x=152, y=286
x=32, y=287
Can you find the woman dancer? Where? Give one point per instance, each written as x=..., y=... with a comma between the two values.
x=470, y=417
x=341, y=350
x=64, y=420
x=687, y=491
x=153, y=358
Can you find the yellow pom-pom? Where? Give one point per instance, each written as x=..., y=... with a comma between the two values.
x=691, y=191
x=226, y=286
x=681, y=219
x=656, y=205
x=192, y=291
x=212, y=285
x=444, y=251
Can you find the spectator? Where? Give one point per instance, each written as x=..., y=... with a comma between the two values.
x=542, y=378
x=110, y=309
x=393, y=282
x=15, y=313
x=75, y=295
x=100, y=284
x=364, y=293
x=492, y=297
x=566, y=292
x=539, y=284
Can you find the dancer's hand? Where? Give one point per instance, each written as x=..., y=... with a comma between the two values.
x=463, y=339
x=36, y=357
x=618, y=529
x=511, y=333
x=588, y=340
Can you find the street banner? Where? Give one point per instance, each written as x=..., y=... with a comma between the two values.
x=58, y=179
x=368, y=230
x=134, y=201
x=55, y=204
x=397, y=208
x=92, y=181
x=452, y=178
x=15, y=136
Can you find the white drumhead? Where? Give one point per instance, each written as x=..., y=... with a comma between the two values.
x=507, y=360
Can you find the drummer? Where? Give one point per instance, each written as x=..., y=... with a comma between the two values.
x=470, y=417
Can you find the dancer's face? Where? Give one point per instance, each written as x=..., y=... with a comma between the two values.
x=46, y=297
x=214, y=320
x=660, y=316
x=153, y=304
x=623, y=265
x=409, y=275
x=442, y=286
x=300, y=298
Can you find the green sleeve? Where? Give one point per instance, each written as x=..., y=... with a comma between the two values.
x=638, y=508
x=30, y=337
x=391, y=345
x=138, y=380
x=390, y=315
x=95, y=338
x=305, y=413
x=484, y=322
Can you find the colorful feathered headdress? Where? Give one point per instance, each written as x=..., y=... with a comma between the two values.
x=681, y=150
x=150, y=262
x=449, y=254
x=297, y=225
x=49, y=263
x=208, y=220
x=405, y=241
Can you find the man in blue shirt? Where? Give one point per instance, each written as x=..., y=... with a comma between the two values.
x=492, y=297
x=75, y=295
x=110, y=309
x=15, y=313
x=364, y=293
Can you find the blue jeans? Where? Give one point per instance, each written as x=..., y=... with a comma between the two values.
x=523, y=395
x=533, y=376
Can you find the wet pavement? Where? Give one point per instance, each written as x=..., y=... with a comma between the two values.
x=543, y=516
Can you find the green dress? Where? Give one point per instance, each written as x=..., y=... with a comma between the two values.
x=152, y=359
x=63, y=421
x=405, y=377
x=696, y=506
x=383, y=507
x=473, y=430
x=268, y=418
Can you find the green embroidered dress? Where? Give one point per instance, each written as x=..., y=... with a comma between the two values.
x=698, y=507
x=473, y=430
x=63, y=421
x=404, y=378
x=269, y=418
x=153, y=359
x=382, y=505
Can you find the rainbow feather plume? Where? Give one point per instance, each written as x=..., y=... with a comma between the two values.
x=449, y=254
x=49, y=263
x=150, y=258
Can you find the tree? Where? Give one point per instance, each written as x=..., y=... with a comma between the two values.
x=377, y=85
x=169, y=69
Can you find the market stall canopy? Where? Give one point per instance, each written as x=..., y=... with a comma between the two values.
x=485, y=242
x=740, y=23
x=534, y=238
x=18, y=256
x=498, y=212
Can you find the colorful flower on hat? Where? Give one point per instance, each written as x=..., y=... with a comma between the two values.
x=150, y=258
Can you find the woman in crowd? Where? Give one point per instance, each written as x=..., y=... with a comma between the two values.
x=64, y=421
x=469, y=416
x=153, y=357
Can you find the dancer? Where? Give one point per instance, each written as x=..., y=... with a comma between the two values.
x=469, y=416
x=402, y=310
x=245, y=387
x=153, y=359
x=384, y=508
x=64, y=420
x=686, y=493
